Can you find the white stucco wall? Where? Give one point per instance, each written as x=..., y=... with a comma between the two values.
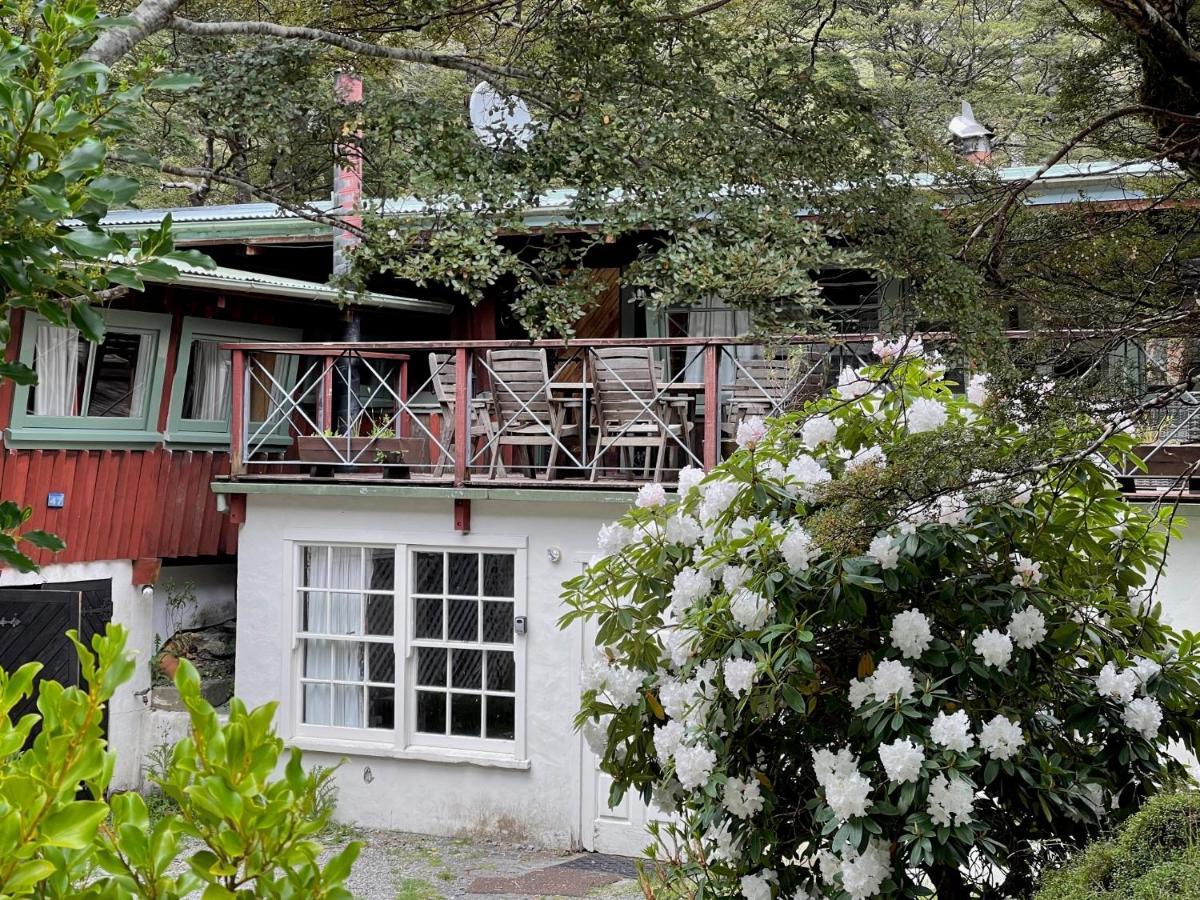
x=133, y=610
x=213, y=587
x=540, y=803
x=1179, y=587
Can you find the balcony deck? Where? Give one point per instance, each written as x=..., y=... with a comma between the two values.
x=579, y=415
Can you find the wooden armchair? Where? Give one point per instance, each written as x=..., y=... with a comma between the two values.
x=444, y=376
x=527, y=414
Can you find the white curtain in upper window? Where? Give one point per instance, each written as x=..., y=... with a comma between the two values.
x=211, y=374
x=715, y=318
x=335, y=613
x=143, y=370
x=56, y=361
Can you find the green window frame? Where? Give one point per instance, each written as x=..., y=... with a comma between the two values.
x=140, y=427
x=216, y=432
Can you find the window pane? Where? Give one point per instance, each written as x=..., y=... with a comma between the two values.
x=380, y=615
x=464, y=573
x=316, y=704
x=431, y=666
x=427, y=573
x=462, y=620
x=318, y=659
x=497, y=575
x=345, y=614
x=427, y=619
x=498, y=622
x=347, y=661
x=465, y=710
x=206, y=393
x=348, y=706
x=381, y=707
x=58, y=357
x=467, y=669
x=315, y=566
x=383, y=662
x=345, y=568
x=431, y=712
x=120, y=375
x=381, y=568
x=501, y=718
x=315, y=611
x=501, y=672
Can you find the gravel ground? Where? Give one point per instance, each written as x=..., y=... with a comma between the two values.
x=396, y=866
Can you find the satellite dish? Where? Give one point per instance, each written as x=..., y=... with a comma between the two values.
x=499, y=119
x=965, y=126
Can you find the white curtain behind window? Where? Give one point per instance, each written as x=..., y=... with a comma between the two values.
x=211, y=374
x=143, y=370
x=715, y=318
x=336, y=567
x=56, y=361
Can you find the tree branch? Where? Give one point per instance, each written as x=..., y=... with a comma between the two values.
x=692, y=13
x=349, y=44
x=150, y=16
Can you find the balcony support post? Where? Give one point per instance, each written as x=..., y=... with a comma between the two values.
x=712, y=406
x=462, y=412
x=237, y=414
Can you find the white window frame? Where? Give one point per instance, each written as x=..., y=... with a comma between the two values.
x=403, y=741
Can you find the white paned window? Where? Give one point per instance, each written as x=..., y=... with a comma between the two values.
x=411, y=645
x=465, y=665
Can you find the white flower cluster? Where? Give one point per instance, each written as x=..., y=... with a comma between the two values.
x=902, y=760
x=891, y=679
x=683, y=529
x=758, y=887
x=885, y=550
x=867, y=456
x=694, y=765
x=751, y=432
x=739, y=675
x=651, y=495
x=952, y=732
x=743, y=798
x=1028, y=572
x=852, y=384
x=750, y=609
x=911, y=634
x=689, y=477
x=689, y=586
x=1143, y=714
x=861, y=874
x=847, y=790
x=950, y=800
x=622, y=685
x=977, y=390
x=1027, y=628
x=900, y=348
x=804, y=477
x=798, y=549
x=614, y=538
x=995, y=647
x=1001, y=738
x=718, y=495
x=925, y=414
x=817, y=431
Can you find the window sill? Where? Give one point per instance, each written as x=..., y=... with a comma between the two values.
x=82, y=438
x=416, y=754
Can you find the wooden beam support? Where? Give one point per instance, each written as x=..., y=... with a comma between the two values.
x=462, y=515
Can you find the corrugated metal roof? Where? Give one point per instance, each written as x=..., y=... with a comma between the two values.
x=1094, y=182
x=223, y=277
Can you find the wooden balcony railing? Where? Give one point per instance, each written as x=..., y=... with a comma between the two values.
x=579, y=413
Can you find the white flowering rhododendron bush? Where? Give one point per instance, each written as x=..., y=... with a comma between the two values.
x=889, y=648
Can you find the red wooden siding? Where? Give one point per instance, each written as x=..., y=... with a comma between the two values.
x=122, y=504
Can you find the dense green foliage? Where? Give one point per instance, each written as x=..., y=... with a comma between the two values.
x=63, y=835
x=1155, y=854
x=891, y=605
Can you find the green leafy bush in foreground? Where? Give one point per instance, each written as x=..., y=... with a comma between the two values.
x=248, y=833
x=1156, y=854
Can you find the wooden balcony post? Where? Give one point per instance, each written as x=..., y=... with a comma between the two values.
x=326, y=418
x=712, y=405
x=237, y=414
x=404, y=428
x=462, y=410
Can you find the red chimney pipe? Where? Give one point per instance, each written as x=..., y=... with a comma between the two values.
x=348, y=172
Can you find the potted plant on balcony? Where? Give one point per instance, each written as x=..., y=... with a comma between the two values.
x=380, y=452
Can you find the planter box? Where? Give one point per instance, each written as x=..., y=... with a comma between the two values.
x=1170, y=459
x=369, y=454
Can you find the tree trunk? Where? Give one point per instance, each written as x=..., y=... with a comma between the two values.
x=949, y=883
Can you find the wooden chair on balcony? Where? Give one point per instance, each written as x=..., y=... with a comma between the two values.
x=527, y=414
x=444, y=376
x=629, y=411
x=770, y=386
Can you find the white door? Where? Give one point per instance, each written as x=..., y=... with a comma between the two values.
x=619, y=829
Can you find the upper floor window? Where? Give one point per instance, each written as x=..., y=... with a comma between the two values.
x=203, y=386
x=105, y=391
